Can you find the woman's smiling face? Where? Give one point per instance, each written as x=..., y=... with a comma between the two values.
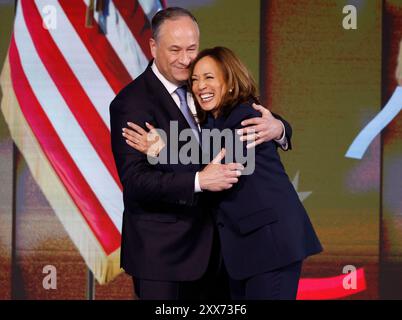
x=208, y=84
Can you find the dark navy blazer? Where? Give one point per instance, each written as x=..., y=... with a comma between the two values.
x=262, y=223
x=167, y=232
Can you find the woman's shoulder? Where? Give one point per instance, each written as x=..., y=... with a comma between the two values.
x=240, y=112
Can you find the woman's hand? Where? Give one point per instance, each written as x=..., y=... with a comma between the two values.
x=149, y=143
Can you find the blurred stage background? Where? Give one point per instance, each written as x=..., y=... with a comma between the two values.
x=328, y=82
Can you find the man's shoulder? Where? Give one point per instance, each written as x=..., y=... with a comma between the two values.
x=137, y=91
x=136, y=87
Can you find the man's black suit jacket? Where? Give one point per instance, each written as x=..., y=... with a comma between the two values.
x=166, y=234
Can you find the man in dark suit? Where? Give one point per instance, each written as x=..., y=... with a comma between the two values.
x=168, y=240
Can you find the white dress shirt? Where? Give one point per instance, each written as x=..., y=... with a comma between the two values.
x=171, y=88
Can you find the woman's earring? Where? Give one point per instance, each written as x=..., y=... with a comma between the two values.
x=230, y=91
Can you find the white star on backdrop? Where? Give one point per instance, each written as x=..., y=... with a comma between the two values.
x=302, y=195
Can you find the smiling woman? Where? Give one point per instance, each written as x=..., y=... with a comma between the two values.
x=263, y=244
x=219, y=81
x=208, y=85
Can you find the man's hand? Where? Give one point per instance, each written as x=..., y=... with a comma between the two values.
x=218, y=177
x=261, y=129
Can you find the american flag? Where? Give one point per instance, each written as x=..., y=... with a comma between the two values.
x=67, y=60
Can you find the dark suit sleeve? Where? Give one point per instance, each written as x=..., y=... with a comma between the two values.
x=288, y=129
x=141, y=181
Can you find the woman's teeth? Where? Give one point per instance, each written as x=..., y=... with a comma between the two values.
x=207, y=97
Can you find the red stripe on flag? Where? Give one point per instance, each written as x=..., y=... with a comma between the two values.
x=137, y=22
x=70, y=88
x=98, y=46
x=80, y=192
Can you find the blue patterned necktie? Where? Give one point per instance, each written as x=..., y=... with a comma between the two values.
x=185, y=109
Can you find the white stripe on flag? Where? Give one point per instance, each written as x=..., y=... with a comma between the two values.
x=123, y=42
x=67, y=128
x=150, y=7
x=80, y=61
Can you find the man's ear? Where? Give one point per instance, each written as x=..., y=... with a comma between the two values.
x=153, y=47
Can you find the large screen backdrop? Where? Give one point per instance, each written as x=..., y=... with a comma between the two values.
x=327, y=69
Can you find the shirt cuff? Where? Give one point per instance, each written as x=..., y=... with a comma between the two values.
x=283, y=141
x=197, y=187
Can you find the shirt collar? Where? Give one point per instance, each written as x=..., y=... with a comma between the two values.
x=170, y=87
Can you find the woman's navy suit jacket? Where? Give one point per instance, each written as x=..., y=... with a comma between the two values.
x=261, y=221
